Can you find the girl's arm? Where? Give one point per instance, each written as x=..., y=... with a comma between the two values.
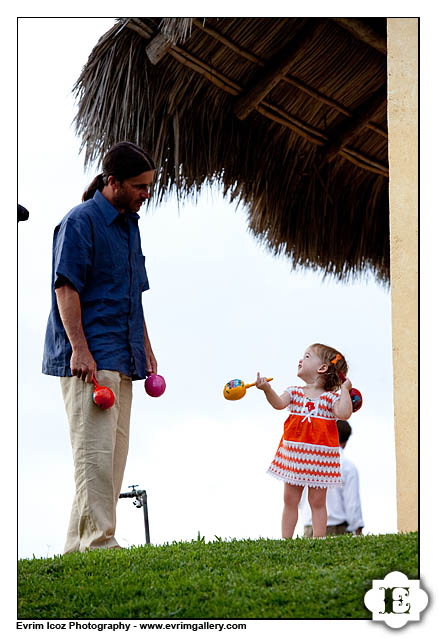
x=343, y=408
x=279, y=402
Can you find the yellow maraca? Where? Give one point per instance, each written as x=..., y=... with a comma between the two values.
x=236, y=389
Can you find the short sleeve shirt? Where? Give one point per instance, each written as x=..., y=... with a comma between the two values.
x=98, y=250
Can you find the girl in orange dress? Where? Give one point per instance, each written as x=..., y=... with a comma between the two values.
x=308, y=453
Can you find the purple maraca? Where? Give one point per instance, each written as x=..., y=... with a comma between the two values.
x=155, y=385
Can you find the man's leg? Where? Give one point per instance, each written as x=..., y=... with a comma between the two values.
x=122, y=435
x=93, y=436
x=337, y=530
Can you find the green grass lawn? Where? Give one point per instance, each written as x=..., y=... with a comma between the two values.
x=299, y=578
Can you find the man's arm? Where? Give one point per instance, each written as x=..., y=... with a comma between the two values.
x=82, y=363
x=151, y=362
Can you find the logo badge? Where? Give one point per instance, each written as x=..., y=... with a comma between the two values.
x=395, y=600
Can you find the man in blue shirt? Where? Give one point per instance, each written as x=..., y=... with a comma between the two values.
x=96, y=328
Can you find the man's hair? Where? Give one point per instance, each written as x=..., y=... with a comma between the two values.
x=123, y=160
x=344, y=429
x=332, y=379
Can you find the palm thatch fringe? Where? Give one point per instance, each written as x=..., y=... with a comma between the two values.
x=323, y=215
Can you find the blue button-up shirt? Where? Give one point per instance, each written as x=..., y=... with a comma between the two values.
x=99, y=252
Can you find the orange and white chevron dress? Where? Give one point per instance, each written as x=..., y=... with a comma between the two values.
x=308, y=453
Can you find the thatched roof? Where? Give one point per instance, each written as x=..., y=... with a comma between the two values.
x=288, y=113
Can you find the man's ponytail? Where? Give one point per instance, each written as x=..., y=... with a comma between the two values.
x=96, y=185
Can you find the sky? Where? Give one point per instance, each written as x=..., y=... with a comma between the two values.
x=220, y=307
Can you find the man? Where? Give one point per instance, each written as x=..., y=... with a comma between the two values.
x=96, y=328
x=344, y=512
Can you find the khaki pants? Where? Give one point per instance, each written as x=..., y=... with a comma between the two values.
x=331, y=530
x=99, y=440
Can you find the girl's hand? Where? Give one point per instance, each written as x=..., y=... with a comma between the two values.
x=277, y=402
x=261, y=383
x=347, y=385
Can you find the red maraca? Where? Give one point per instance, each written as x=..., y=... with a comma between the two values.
x=155, y=385
x=355, y=395
x=103, y=397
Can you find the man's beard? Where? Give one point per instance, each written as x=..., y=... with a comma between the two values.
x=121, y=204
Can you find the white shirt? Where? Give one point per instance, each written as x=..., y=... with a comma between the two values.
x=343, y=503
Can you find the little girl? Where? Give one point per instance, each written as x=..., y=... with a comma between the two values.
x=308, y=453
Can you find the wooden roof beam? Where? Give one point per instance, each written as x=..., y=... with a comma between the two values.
x=158, y=47
x=341, y=135
x=275, y=70
x=299, y=84
x=361, y=31
x=268, y=110
x=275, y=114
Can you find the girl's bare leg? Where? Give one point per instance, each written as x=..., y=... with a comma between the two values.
x=292, y=496
x=317, y=497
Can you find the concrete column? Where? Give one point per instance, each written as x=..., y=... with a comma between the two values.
x=403, y=199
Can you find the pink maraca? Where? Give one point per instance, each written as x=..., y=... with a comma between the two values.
x=155, y=385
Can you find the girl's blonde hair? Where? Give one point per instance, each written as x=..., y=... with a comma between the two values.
x=332, y=378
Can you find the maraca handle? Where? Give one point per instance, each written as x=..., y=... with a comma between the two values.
x=250, y=385
x=343, y=377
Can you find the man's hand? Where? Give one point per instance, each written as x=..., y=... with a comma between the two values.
x=151, y=362
x=83, y=365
